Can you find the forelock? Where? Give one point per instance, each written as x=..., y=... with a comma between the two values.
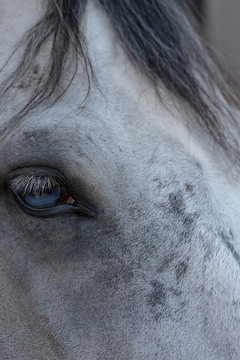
x=160, y=40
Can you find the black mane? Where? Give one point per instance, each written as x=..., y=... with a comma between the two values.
x=158, y=36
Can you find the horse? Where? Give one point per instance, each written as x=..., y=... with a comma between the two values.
x=118, y=184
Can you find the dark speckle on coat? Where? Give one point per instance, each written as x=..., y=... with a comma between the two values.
x=177, y=205
x=181, y=269
x=189, y=188
x=166, y=263
x=228, y=241
x=158, y=294
x=165, y=302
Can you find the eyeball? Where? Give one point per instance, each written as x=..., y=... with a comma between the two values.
x=40, y=192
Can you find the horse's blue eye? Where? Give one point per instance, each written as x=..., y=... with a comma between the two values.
x=40, y=192
x=43, y=199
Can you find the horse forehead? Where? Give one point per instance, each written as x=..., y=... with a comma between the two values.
x=117, y=77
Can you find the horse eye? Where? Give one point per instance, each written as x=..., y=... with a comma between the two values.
x=39, y=193
x=47, y=197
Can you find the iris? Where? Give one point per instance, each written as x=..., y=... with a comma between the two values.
x=44, y=199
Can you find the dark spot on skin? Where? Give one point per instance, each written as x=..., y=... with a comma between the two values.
x=158, y=294
x=175, y=292
x=188, y=220
x=166, y=263
x=113, y=277
x=165, y=302
x=205, y=321
x=181, y=269
x=185, y=234
x=158, y=183
x=89, y=139
x=135, y=212
x=31, y=138
x=158, y=316
x=189, y=188
x=176, y=204
x=228, y=241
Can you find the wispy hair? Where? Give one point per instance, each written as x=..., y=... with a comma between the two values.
x=160, y=38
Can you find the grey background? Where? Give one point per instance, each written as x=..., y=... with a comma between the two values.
x=221, y=26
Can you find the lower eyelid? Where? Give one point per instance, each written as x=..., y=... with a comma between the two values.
x=60, y=209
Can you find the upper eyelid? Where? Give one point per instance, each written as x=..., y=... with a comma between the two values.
x=24, y=174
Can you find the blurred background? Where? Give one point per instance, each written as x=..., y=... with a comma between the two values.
x=219, y=22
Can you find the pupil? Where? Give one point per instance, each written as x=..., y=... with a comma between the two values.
x=41, y=200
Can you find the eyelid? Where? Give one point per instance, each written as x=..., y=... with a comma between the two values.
x=37, y=172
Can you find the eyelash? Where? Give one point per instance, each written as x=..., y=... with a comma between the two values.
x=23, y=184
